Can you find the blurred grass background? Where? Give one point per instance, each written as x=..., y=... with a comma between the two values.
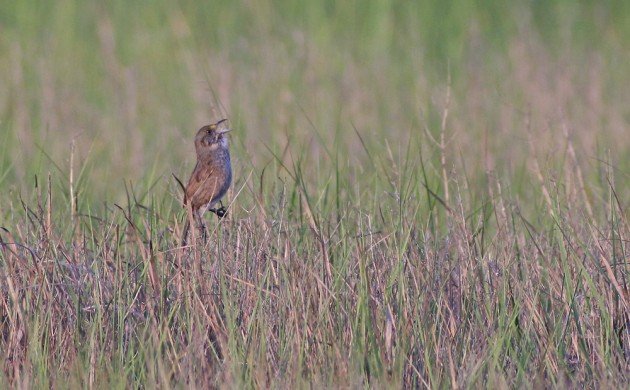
x=338, y=111
x=130, y=82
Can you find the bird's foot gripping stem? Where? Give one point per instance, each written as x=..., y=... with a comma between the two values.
x=220, y=212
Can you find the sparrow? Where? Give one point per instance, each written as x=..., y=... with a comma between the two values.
x=211, y=177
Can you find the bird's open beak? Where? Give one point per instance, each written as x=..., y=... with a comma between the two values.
x=222, y=126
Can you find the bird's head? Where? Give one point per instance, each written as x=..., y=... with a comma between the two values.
x=212, y=137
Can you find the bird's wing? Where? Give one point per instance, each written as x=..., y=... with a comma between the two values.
x=198, y=190
x=192, y=185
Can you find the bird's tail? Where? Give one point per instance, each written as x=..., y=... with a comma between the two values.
x=193, y=217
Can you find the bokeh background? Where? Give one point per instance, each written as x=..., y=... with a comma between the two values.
x=120, y=87
x=427, y=194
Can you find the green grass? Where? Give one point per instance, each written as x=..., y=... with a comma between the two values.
x=427, y=194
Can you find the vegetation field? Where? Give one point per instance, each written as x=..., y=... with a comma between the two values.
x=427, y=194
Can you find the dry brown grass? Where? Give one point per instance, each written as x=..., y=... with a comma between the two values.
x=393, y=223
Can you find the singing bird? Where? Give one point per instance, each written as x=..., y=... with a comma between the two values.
x=211, y=177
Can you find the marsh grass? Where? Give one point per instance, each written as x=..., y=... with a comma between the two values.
x=405, y=213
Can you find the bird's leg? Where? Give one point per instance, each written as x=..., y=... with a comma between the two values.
x=221, y=211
